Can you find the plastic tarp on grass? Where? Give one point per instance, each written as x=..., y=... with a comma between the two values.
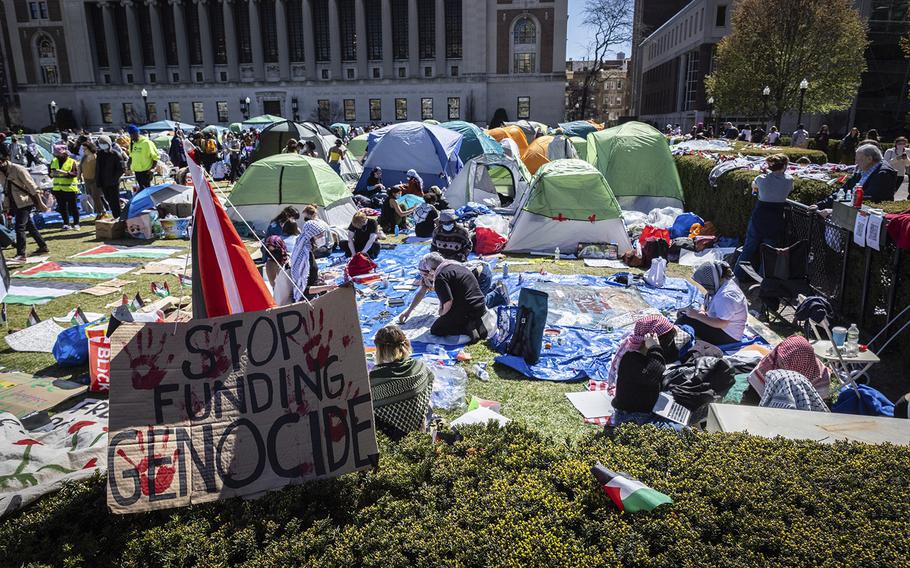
x=494, y=180
x=569, y=202
x=475, y=142
x=636, y=162
x=430, y=150
x=273, y=183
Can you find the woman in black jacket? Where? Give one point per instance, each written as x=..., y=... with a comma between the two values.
x=108, y=170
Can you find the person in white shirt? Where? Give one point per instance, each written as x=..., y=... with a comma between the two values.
x=897, y=158
x=773, y=136
x=726, y=310
x=800, y=138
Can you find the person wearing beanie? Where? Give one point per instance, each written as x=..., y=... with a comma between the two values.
x=143, y=156
x=20, y=195
x=108, y=170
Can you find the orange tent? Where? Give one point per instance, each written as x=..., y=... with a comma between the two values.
x=513, y=132
x=537, y=154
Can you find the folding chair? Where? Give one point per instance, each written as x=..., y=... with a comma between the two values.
x=785, y=276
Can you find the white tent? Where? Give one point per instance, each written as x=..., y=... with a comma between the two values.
x=569, y=202
x=495, y=180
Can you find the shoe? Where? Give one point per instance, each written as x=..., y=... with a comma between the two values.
x=65, y=228
x=504, y=290
x=21, y=258
x=42, y=250
x=76, y=227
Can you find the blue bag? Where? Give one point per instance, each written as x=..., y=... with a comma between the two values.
x=683, y=223
x=71, y=348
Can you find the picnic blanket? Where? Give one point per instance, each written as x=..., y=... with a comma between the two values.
x=94, y=271
x=112, y=251
x=28, y=292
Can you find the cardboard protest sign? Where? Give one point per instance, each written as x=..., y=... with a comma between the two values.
x=237, y=405
x=22, y=394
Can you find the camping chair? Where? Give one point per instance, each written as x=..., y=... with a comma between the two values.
x=816, y=312
x=785, y=276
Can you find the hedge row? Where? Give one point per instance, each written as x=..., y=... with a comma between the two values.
x=730, y=204
x=513, y=498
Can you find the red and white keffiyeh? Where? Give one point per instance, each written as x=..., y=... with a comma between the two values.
x=658, y=325
x=793, y=354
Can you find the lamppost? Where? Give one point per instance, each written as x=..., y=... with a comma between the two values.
x=803, y=86
x=145, y=103
x=246, y=108
x=52, y=110
x=713, y=112
x=765, y=93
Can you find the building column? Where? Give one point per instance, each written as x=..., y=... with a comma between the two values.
x=256, y=42
x=441, y=70
x=284, y=57
x=132, y=26
x=334, y=41
x=110, y=41
x=413, y=41
x=183, y=48
x=309, y=42
x=205, y=39
x=230, y=42
x=157, y=42
x=388, y=69
x=361, y=28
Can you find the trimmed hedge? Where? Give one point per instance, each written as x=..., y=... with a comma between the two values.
x=794, y=154
x=730, y=204
x=513, y=498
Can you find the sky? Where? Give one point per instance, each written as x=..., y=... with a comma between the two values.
x=579, y=37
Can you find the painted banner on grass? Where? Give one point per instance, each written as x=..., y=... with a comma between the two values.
x=237, y=405
x=111, y=251
x=53, y=269
x=28, y=292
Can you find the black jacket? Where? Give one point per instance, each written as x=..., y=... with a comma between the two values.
x=108, y=169
x=881, y=186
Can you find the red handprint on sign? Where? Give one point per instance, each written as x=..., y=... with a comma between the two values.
x=315, y=353
x=220, y=362
x=164, y=474
x=146, y=372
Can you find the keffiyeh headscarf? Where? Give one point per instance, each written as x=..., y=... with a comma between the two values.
x=792, y=354
x=710, y=275
x=412, y=174
x=277, y=247
x=300, y=258
x=658, y=325
x=791, y=390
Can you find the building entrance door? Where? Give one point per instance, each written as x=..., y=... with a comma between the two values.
x=272, y=107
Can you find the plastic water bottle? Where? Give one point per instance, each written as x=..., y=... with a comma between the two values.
x=556, y=254
x=841, y=195
x=505, y=270
x=853, y=341
x=396, y=230
x=480, y=369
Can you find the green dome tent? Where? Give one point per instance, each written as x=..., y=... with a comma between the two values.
x=581, y=147
x=261, y=121
x=569, y=202
x=357, y=146
x=271, y=184
x=636, y=162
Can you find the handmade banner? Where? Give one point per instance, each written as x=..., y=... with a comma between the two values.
x=112, y=251
x=237, y=405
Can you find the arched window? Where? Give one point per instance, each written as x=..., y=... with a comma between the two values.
x=524, y=45
x=47, y=60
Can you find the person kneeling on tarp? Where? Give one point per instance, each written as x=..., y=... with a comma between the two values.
x=723, y=319
x=638, y=370
x=494, y=295
x=462, y=305
x=401, y=385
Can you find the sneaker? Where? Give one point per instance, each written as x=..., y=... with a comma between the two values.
x=76, y=227
x=20, y=259
x=65, y=228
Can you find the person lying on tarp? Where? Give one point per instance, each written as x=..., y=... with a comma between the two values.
x=722, y=321
x=401, y=385
x=462, y=305
x=637, y=371
x=494, y=295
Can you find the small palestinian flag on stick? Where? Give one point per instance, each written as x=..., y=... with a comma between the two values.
x=160, y=290
x=79, y=317
x=4, y=317
x=33, y=318
x=137, y=303
x=630, y=495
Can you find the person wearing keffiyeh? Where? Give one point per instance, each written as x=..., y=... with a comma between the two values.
x=792, y=354
x=400, y=385
x=791, y=390
x=723, y=319
x=303, y=262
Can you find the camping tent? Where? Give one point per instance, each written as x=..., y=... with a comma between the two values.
x=512, y=132
x=530, y=128
x=636, y=161
x=340, y=129
x=475, y=142
x=273, y=183
x=569, y=202
x=261, y=121
x=167, y=125
x=581, y=147
x=274, y=138
x=546, y=149
x=494, y=180
x=580, y=128
x=357, y=146
x=162, y=140
x=430, y=150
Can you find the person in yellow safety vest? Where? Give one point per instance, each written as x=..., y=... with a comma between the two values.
x=143, y=156
x=65, y=177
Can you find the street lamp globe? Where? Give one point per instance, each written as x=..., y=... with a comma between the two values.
x=766, y=91
x=247, y=100
x=53, y=104
x=803, y=85
x=144, y=93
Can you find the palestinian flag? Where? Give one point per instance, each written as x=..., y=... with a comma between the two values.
x=159, y=290
x=26, y=292
x=33, y=318
x=629, y=494
x=79, y=317
x=111, y=251
x=137, y=303
x=52, y=269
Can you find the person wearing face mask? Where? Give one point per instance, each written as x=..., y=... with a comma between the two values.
x=20, y=195
x=108, y=170
x=897, y=158
x=451, y=239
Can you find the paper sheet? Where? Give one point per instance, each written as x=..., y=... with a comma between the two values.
x=592, y=404
x=603, y=263
x=859, y=229
x=39, y=338
x=874, y=232
x=480, y=416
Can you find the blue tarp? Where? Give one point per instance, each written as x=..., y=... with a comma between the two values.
x=579, y=128
x=428, y=149
x=475, y=142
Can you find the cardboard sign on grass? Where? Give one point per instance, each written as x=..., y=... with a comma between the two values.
x=237, y=405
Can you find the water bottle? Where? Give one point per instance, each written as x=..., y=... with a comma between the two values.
x=841, y=195
x=505, y=270
x=853, y=341
x=556, y=254
x=480, y=369
x=396, y=230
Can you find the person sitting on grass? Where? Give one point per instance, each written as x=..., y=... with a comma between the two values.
x=425, y=216
x=363, y=236
x=304, y=273
x=450, y=238
x=392, y=214
x=723, y=319
x=462, y=305
x=401, y=385
x=637, y=371
x=794, y=354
